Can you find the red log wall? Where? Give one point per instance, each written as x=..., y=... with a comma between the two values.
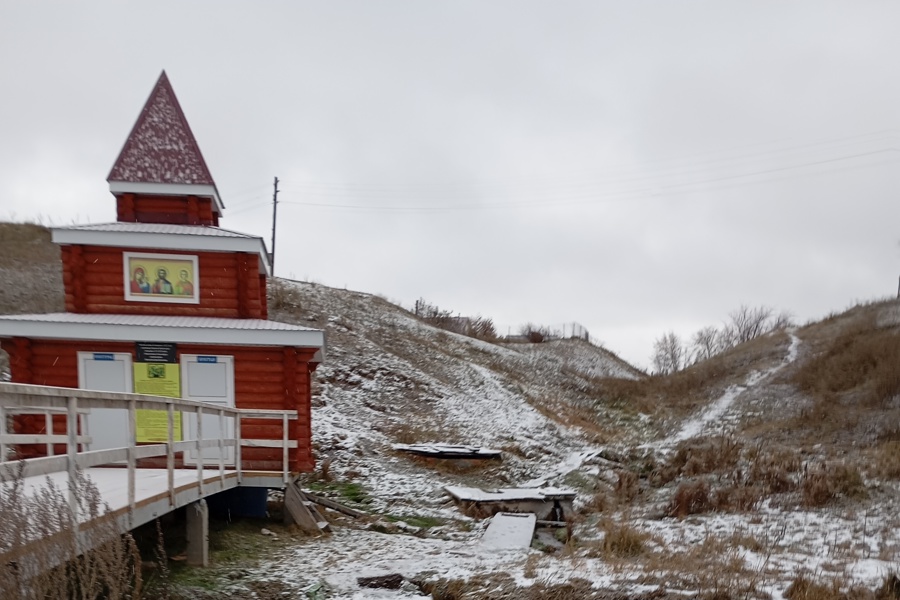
x=174, y=210
x=230, y=284
x=264, y=378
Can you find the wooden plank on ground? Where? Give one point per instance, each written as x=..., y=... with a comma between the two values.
x=328, y=503
x=297, y=511
x=510, y=530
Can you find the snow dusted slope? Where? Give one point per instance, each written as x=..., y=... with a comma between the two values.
x=389, y=377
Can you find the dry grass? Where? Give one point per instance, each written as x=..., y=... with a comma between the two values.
x=283, y=296
x=884, y=460
x=700, y=456
x=773, y=468
x=39, y=547
x=620, y=540
x=825, y=482
x=804, y=587
x=501, y=586
x=31, y=270
x=690, y=498
x=627, y=486
x=714, y=567
x=420, y=432
x=863, y=357
x=851, y=379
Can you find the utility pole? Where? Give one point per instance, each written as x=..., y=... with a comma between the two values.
x=274, y=221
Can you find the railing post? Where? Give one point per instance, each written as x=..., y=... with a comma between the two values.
x=222, y=445
x=132, y=462
x=284, y=448
x=71, y=453
x=170, y=450
x=237, y=448
x=3, y=432
x=48, y=428
x=199, y=448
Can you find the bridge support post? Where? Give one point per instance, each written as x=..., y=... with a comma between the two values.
x=198, y=534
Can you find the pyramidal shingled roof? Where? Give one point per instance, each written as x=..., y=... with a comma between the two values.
x=161, y=147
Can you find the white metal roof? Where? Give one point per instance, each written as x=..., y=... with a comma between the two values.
x=204, y=230
x=161, y=236
x=153, y=328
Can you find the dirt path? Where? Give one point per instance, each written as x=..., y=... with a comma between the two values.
x=715, y=411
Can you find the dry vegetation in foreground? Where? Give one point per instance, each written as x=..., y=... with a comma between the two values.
x=52, y=567
x=713, y=568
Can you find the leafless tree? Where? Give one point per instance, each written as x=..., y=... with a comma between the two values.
x=704, y=344
x=750, y=323
x=743, y=325
x=668, y=354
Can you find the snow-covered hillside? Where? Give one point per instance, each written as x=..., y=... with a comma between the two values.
x=771, y=471
x=389, y=377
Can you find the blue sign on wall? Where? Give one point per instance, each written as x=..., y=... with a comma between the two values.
x=207, y=359
x=103, y=356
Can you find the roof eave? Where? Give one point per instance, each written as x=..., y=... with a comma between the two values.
x=202, y=190
x=164, y=241
x=113, y=332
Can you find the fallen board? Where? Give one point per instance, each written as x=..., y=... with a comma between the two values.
x=439, y=450
x=510, y=530
x=509, y=494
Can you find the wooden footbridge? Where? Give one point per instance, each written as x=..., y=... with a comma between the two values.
x=134, y=492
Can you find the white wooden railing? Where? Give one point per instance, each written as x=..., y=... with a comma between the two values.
x=75, y=405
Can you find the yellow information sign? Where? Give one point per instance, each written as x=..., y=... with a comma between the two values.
x=157, y=379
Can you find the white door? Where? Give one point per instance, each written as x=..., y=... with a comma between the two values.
x=106, y=372
x=209, y=379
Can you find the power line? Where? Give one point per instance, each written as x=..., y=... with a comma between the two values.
x=554, y=198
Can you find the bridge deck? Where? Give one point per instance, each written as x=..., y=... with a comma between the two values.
x=134, y=495
x=151, y=489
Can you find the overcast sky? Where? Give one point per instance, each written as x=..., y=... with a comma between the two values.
x=633, y=166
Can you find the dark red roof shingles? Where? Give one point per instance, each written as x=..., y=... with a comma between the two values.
x=161, y=147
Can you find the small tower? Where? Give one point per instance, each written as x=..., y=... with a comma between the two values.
x=160, y=175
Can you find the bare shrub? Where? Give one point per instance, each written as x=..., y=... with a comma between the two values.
x=621, y=540
x=700, y=456
x=690, y=498
x=736, y=498
x=478, y=327
x=535, y=334
x=773, y=469
x=823, y=483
